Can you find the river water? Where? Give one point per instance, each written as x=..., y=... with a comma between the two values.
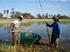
x=40, y=29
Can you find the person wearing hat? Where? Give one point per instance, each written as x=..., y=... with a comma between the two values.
x=55, y=32
x=15, y=29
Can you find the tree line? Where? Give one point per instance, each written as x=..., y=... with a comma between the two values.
x=14, y=14
x=38, y=16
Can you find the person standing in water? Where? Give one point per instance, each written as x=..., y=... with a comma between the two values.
x=55, y=32
x=15, y=29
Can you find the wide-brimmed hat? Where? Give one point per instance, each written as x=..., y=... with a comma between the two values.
x=21, y=16
x=56, y=18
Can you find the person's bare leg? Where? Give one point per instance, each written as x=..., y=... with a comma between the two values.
x=13, y=39
x=57, y=42
x=16, y=38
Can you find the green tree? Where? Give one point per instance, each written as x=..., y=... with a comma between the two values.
x=39, y=16
x=59, y=16
x=13, y=13
x=65, y=17
x=1, y=15
x=55, y=16
x=46, y=16
x=28, y=16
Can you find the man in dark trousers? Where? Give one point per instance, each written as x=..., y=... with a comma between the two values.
x=55, y=32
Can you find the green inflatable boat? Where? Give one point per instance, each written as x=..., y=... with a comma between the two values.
x=29, y=38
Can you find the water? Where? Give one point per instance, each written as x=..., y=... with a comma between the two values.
x=40, y=29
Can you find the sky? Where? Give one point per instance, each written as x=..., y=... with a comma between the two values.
x=33, y=6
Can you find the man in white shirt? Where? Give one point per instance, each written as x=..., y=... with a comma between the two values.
x=14, y=28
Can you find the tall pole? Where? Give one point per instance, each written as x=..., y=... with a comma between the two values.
x=44, y=18
x=41, y=8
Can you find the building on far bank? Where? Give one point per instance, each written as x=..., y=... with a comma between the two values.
x=6, y=14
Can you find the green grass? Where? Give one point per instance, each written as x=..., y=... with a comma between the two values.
x=17, y=48
x=29, y=48
x=27, y=22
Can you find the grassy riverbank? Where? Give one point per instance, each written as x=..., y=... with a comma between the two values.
x=30, y=21
x=28, y=48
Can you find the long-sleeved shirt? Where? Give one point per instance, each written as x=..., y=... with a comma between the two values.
x=55, y=29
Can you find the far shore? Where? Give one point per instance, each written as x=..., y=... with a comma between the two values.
x=4, y=21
